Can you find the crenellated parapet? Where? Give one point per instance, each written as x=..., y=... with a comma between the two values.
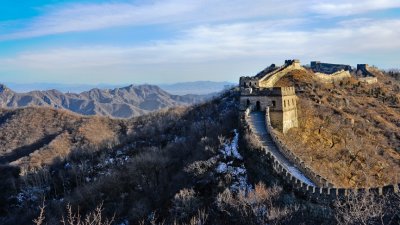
x=248, y=82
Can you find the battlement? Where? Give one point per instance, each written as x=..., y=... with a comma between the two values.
x=264, y=72
x=247, y=82
x=291, y=61
x=362, y=66
x=364, y=70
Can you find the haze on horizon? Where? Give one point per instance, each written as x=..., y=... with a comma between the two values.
x=167, y=41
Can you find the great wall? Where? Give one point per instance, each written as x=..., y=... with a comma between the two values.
x=267, y=110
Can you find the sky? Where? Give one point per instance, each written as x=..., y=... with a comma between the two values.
x=167, y=41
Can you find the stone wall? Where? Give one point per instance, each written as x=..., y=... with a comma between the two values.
x=287, y=121
x=363, y=68
x=292, y=157
x=266, y=71
x=248, y=82
x=281, y=100
x=335, y=77
x=249, y=100
x=367, y=73
x=368, y=80
x=328, y=68
x=324, y=192
x=284, y=113
x=270, y=79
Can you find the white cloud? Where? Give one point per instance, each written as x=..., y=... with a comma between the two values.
x=233, y=46
x=64, y=18
x=84, y=17
x=351, y=7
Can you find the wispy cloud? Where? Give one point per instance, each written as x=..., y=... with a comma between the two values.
x=62, y=18
x=86, y=17
x=210, y=36
x=244, y=41
x=351, y=7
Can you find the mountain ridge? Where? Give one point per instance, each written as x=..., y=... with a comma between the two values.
x=180, y=88
x=124, y=102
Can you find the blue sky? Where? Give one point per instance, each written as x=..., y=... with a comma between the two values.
x=166, y=41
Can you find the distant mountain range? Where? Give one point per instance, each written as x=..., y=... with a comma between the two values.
x=122, y=102
x=196, y=87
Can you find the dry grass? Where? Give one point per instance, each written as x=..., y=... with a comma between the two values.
x=33, y=137
x=349, y=132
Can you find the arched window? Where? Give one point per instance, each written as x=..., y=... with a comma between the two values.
x=284, y=103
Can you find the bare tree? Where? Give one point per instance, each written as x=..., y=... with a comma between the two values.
x=360, y=208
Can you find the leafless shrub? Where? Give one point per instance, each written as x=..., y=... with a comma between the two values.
x=184, y=204
x=40, y=219
x=362, y=208
x=93, y=218
x=256, y=207
x=199, y=219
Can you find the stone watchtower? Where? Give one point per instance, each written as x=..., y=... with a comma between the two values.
x=283, y=109
x=281, y=101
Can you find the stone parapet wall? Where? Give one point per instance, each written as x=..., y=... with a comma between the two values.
x=368, y=80
x=335, y=77
x=325, y=193
x=316, y=178
x=270, y=79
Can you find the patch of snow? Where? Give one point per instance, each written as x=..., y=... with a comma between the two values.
x=67, y=166
x=109, y=161
x=179, y=139
x=238, y=173
x=241, y=184
x=231, y=149
x=31, y=194
x=222, y=168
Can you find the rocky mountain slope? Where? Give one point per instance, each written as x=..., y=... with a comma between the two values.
x=349, y=131
x=184, y=165
x=123, y=102
x=33, y=137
